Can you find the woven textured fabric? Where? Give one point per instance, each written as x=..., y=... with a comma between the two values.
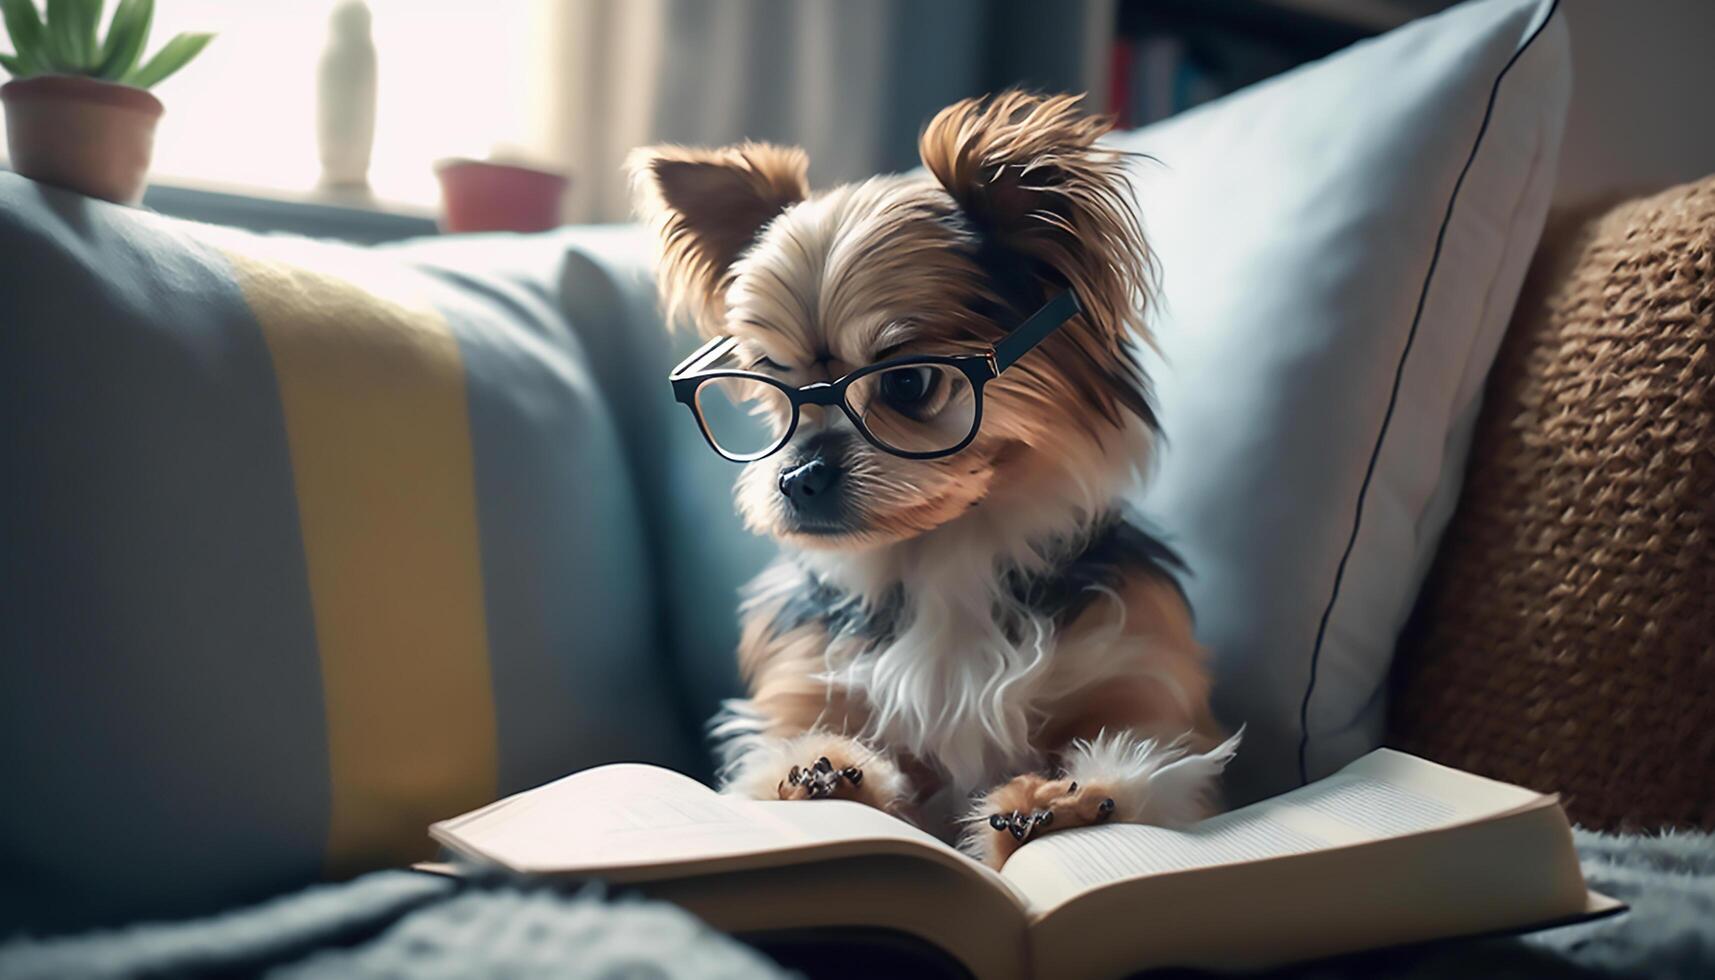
x=1566, y=637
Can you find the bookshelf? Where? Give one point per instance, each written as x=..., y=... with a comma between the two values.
x=1173, y=55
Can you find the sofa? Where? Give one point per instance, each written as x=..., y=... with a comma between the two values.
x=307, y=545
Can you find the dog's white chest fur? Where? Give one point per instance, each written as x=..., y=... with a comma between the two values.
x=955, y=690
x=965, y=678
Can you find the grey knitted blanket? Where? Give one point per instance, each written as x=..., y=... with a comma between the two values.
x=401, y=924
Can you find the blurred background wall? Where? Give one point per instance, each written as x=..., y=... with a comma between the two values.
x=852, y=82
x=1635, y=65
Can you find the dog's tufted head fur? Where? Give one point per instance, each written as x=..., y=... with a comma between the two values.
x=1019, y=202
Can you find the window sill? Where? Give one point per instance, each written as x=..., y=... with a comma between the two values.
x=316, y=214
x=319, y=214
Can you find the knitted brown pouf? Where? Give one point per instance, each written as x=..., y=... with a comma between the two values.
x=1566, y=636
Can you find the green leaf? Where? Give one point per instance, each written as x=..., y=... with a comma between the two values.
x=169, y=59
x=13, y=65
x=87, y=22
x=66, y=36
x=126, y=35
x=24, y=26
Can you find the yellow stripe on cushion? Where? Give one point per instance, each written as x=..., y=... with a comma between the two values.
x=379, y=435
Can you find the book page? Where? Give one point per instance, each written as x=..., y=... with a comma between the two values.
x=750, y=865
x=831, y=821
x=614, y=817
x=1385, y=794
x=637, y=822
x=1514, y=870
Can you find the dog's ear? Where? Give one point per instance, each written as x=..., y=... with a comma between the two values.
x=707, y=207
x=1027, y=170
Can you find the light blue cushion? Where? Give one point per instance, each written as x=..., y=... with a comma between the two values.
x=304, y=547
x=1341, y=249
x=604, y=276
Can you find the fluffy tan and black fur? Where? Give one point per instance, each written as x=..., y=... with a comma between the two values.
x=983, y=640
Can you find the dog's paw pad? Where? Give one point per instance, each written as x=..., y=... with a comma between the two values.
x=1032, y=805
x=820, y=780
x=1021, y=825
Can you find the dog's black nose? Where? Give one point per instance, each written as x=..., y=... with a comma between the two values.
x=811, y=487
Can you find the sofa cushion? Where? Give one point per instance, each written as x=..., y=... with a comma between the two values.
x=1566, y=638
x=1340, y=248
x=305, y=547
x=702, y=554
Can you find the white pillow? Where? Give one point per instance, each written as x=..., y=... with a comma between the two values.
x=1341, y=249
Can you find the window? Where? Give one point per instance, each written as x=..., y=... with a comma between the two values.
x=451, y=81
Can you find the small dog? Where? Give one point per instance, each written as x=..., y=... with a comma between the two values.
x=943, y=627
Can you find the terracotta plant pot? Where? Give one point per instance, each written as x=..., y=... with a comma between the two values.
x=92, y=137
x=479, y=195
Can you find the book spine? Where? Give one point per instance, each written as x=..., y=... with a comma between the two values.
x=1119, y=85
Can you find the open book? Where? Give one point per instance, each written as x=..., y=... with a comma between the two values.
x=1389, y=850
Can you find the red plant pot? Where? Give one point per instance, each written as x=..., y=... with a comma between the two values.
x=90, y=136
x=478, y=195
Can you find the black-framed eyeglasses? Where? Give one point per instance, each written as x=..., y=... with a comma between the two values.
x=920, y=406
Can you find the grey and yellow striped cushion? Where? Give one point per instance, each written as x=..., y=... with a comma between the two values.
x=304, y=547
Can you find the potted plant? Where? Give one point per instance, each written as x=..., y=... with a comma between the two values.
x=78, y=113
x=498, y=195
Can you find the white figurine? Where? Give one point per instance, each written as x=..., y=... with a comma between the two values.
x=345, y=96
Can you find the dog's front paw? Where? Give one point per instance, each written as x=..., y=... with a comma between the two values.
x=821, y=766
x=1028, y=807
x=820, y=780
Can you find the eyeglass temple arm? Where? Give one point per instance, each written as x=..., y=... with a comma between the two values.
x=1034, y=330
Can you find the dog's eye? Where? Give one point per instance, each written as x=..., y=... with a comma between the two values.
x=909, y=386
x=765, y=363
